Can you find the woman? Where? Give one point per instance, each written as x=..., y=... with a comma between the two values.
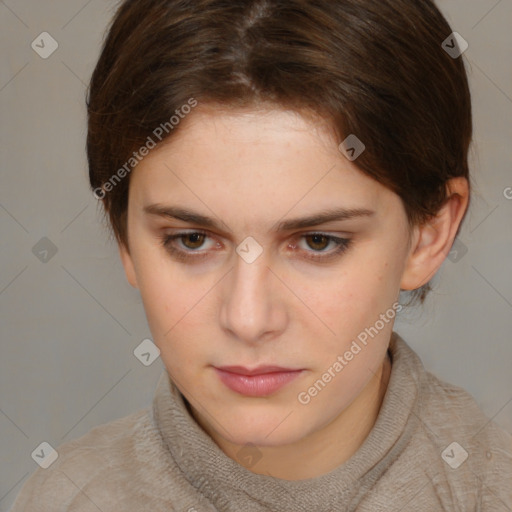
x=275, y=173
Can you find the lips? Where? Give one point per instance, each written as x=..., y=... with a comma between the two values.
x=260, y=370
x=256, y=382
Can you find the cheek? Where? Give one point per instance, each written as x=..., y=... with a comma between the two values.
x=163, y=295
x=348, y=305
x=346, y=299
x=172, y=314
x=168, y=305
x=174, y=304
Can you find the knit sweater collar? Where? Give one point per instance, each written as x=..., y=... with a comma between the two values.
x=230, y=486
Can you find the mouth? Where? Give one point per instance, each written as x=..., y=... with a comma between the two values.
x=260, y=381
x=259, y=370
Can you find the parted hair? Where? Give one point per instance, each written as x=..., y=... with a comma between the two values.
x=373, y=68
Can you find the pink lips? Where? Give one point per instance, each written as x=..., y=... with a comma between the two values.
x=261, y=381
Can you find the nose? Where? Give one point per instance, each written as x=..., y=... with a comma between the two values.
x=252, y=308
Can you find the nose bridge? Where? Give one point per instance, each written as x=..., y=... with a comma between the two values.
x=248, y=310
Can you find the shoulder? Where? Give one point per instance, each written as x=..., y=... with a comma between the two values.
x=476, y=453
x=451, y=408
x=461, y=456
x=93, y=471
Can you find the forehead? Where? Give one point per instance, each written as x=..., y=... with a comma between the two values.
x=254, y=160
x=242, y=134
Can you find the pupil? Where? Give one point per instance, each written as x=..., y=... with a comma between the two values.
x=316, y=239
x=194, y=237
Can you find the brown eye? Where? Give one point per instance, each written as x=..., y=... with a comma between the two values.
x=184, y=246
x=319, y=241
x=188, y=250
x=317, y=245
x=197, y=240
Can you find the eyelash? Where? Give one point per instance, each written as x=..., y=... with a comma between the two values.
x=185, y=256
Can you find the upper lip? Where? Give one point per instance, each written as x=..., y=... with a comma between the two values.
x=259, y=370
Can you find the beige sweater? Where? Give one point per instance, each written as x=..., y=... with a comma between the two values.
x=159, y=459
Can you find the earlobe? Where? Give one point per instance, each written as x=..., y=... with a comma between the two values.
x=127, y=262
x=433, y=239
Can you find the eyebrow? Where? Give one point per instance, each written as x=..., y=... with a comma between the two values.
x=316, y=219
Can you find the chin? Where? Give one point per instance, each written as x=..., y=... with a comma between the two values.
x=265, y=434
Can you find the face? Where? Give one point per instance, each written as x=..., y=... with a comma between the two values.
x=253, y=287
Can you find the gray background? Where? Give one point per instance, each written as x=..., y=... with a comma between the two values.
x=70, y=324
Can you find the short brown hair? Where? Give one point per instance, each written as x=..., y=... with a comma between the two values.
x=373, y=68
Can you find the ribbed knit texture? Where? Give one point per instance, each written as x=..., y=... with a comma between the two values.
x=160, y=459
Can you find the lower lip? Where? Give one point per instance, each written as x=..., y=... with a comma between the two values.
x=257, y=385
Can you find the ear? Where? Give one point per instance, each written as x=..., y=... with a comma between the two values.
x=433, y=240
x=127, y=261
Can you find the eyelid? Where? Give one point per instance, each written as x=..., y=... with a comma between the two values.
x=192, y=231
x=190, y=255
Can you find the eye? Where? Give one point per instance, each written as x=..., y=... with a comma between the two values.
x=319, y=242
x=192, y=241
x=196, y=239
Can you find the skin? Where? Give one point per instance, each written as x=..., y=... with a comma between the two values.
x=248, y=170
